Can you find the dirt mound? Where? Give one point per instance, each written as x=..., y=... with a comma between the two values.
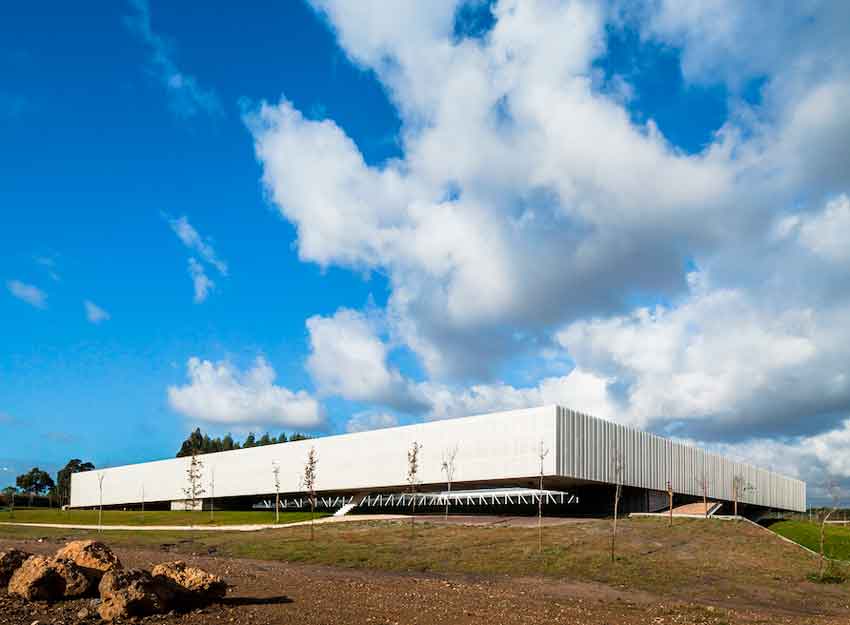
x=11, y=561
x=133, y=592
x=191, y=583
x=46, y=579
x=92, y=556
x=169, y=586
x=82, y=566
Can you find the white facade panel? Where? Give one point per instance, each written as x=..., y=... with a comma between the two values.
x=651, y=461
x=494, y=446
x=498, y=446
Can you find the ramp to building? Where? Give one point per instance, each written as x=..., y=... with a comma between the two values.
x=709, y=508
x=352, y=503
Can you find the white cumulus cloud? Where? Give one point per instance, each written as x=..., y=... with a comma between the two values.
x=531, y=210
x=579, y=390
x=825, y=233
x=218, y=392
x=349, y=359
x=720, y=361
x=364, y=421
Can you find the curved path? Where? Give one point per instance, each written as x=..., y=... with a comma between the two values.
x=212, y=528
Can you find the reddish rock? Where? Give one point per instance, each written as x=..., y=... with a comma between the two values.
x=92, y=556
x=46, y=579
x=191, y=584
x=11, y=561
x=133, y=592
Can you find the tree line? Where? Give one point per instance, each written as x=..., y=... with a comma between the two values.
x=37, y=482
x=199, y=443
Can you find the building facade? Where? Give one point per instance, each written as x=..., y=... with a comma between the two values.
x=580, y=453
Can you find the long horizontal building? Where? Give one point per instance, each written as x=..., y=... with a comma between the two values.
x=584, y=455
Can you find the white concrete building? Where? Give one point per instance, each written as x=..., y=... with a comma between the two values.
x=498, y=449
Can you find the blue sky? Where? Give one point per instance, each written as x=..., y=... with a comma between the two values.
x=93, y=158
x=119, y=120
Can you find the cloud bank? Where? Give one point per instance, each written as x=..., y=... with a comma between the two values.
x=531, y=219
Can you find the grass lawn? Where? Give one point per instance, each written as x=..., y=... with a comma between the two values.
x=152, y=517
x=806, y=533
x=709, y=560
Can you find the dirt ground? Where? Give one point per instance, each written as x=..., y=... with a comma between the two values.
x=269, y=592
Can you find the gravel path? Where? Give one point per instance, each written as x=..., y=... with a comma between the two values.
x=211, y=528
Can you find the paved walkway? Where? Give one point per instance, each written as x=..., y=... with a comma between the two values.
x=213, y=528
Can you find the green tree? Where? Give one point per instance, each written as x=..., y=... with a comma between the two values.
x=35, y=482
x=193, y=444
x=199, y=443
x=8, y=495
x=63, y=478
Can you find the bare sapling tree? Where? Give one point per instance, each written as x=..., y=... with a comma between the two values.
x=670, y=501
x=542, y=452
x=212, y=494
x=194, y=487
x=834, y=492
x=618, y=467
x=739, y=487
x=413, y=481
x=703, y=486
x=448, y=467
x=11, y=495
x=308, y=481
x=100, y=477
x=143, y=504
x=276, y=474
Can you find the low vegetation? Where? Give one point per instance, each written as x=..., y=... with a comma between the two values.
x=711, y=561
x=807, y=533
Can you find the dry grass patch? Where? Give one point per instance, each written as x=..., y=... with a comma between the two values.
x=715, y=562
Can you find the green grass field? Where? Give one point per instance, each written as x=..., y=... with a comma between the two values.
x=836, y=541
x=152, y=517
